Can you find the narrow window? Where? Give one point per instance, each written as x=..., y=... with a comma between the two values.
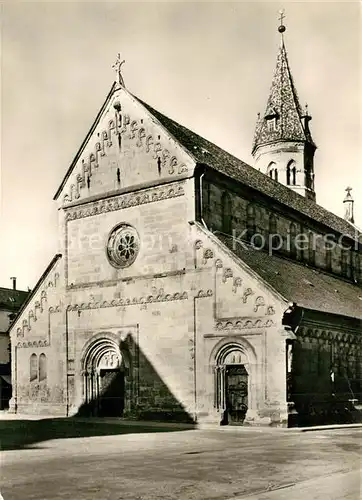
x=291, y=173
x=292, y=236
x=276, y=174
x=329, y=259
x=274, y=239
x=42, y=367
x=356, y=267
x=311, y=249
x=226, y=213
x=271, y=170
x=33, y=367
x=294, y=176
x=345, y=262
x=250, y=221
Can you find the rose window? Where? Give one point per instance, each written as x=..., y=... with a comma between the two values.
x=123, y=246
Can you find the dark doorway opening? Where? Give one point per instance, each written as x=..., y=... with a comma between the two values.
x=111, y=393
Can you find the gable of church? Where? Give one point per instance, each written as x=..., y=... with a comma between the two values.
x=125, y=147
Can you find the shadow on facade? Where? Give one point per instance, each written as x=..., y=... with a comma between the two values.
x=19, y=434
x=133, y=390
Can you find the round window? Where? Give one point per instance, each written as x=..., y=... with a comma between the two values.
x=123, y=246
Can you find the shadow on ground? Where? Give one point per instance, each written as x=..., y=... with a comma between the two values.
x=19, y=434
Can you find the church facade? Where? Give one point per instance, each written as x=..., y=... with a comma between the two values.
x=190, y=286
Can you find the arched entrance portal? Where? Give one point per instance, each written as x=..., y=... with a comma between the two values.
x=232, y=384
x=104, y=374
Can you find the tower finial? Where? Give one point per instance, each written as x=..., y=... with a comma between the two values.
x=281, y=28
x=117, y=67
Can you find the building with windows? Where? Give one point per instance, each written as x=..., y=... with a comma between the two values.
x=190, y=286
x=11, y=301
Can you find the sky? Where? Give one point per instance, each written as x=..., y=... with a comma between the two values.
x=208, y=65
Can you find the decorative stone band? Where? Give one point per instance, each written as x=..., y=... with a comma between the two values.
x=126, y=201
x=331, y=336
x=129, y=302
x=34, y=343
x=242, y=323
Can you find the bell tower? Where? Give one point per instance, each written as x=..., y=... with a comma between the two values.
x=283, y=147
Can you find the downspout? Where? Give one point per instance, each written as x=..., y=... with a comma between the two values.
x=66, y=364
x=15, y=387
x=201, y=202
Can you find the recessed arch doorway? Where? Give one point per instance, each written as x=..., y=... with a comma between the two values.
x=232, y=383
x=104, y=378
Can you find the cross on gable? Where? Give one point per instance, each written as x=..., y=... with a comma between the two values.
x=117, y=67
x=348, y=189
x=282, y=16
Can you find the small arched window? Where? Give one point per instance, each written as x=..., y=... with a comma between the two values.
x=250, y=221
x=291, y=173
x=292, y=243
x=226, y=213
x=42, y=367
x=33, y=367
x=272, y=170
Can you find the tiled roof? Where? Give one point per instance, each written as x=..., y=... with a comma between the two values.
x=283, y=103
x=206, y=152
x=296, y=282
x=11, y=299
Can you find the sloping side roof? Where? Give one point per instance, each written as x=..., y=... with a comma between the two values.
x=11, y=299
x=308, y=287
x=208, y=153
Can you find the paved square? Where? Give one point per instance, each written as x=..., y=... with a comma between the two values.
x=44, y=460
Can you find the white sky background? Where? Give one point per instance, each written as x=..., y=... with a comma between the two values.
x=207, y=65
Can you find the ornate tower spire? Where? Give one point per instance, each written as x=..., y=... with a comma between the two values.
x=283, y=147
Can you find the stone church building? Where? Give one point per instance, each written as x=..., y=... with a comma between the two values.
x=190, y=286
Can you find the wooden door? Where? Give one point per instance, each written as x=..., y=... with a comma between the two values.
x=236, y=393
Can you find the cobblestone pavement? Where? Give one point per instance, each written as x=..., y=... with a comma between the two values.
x=136, y=463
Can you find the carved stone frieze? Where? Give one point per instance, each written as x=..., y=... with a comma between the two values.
x=126, y=201
x=243, y=323
x=33, y=343
x=159, y=296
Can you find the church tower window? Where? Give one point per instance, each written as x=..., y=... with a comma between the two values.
x=291, y=173
x=272, y=171
x=33, y=367
x=226, y=213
